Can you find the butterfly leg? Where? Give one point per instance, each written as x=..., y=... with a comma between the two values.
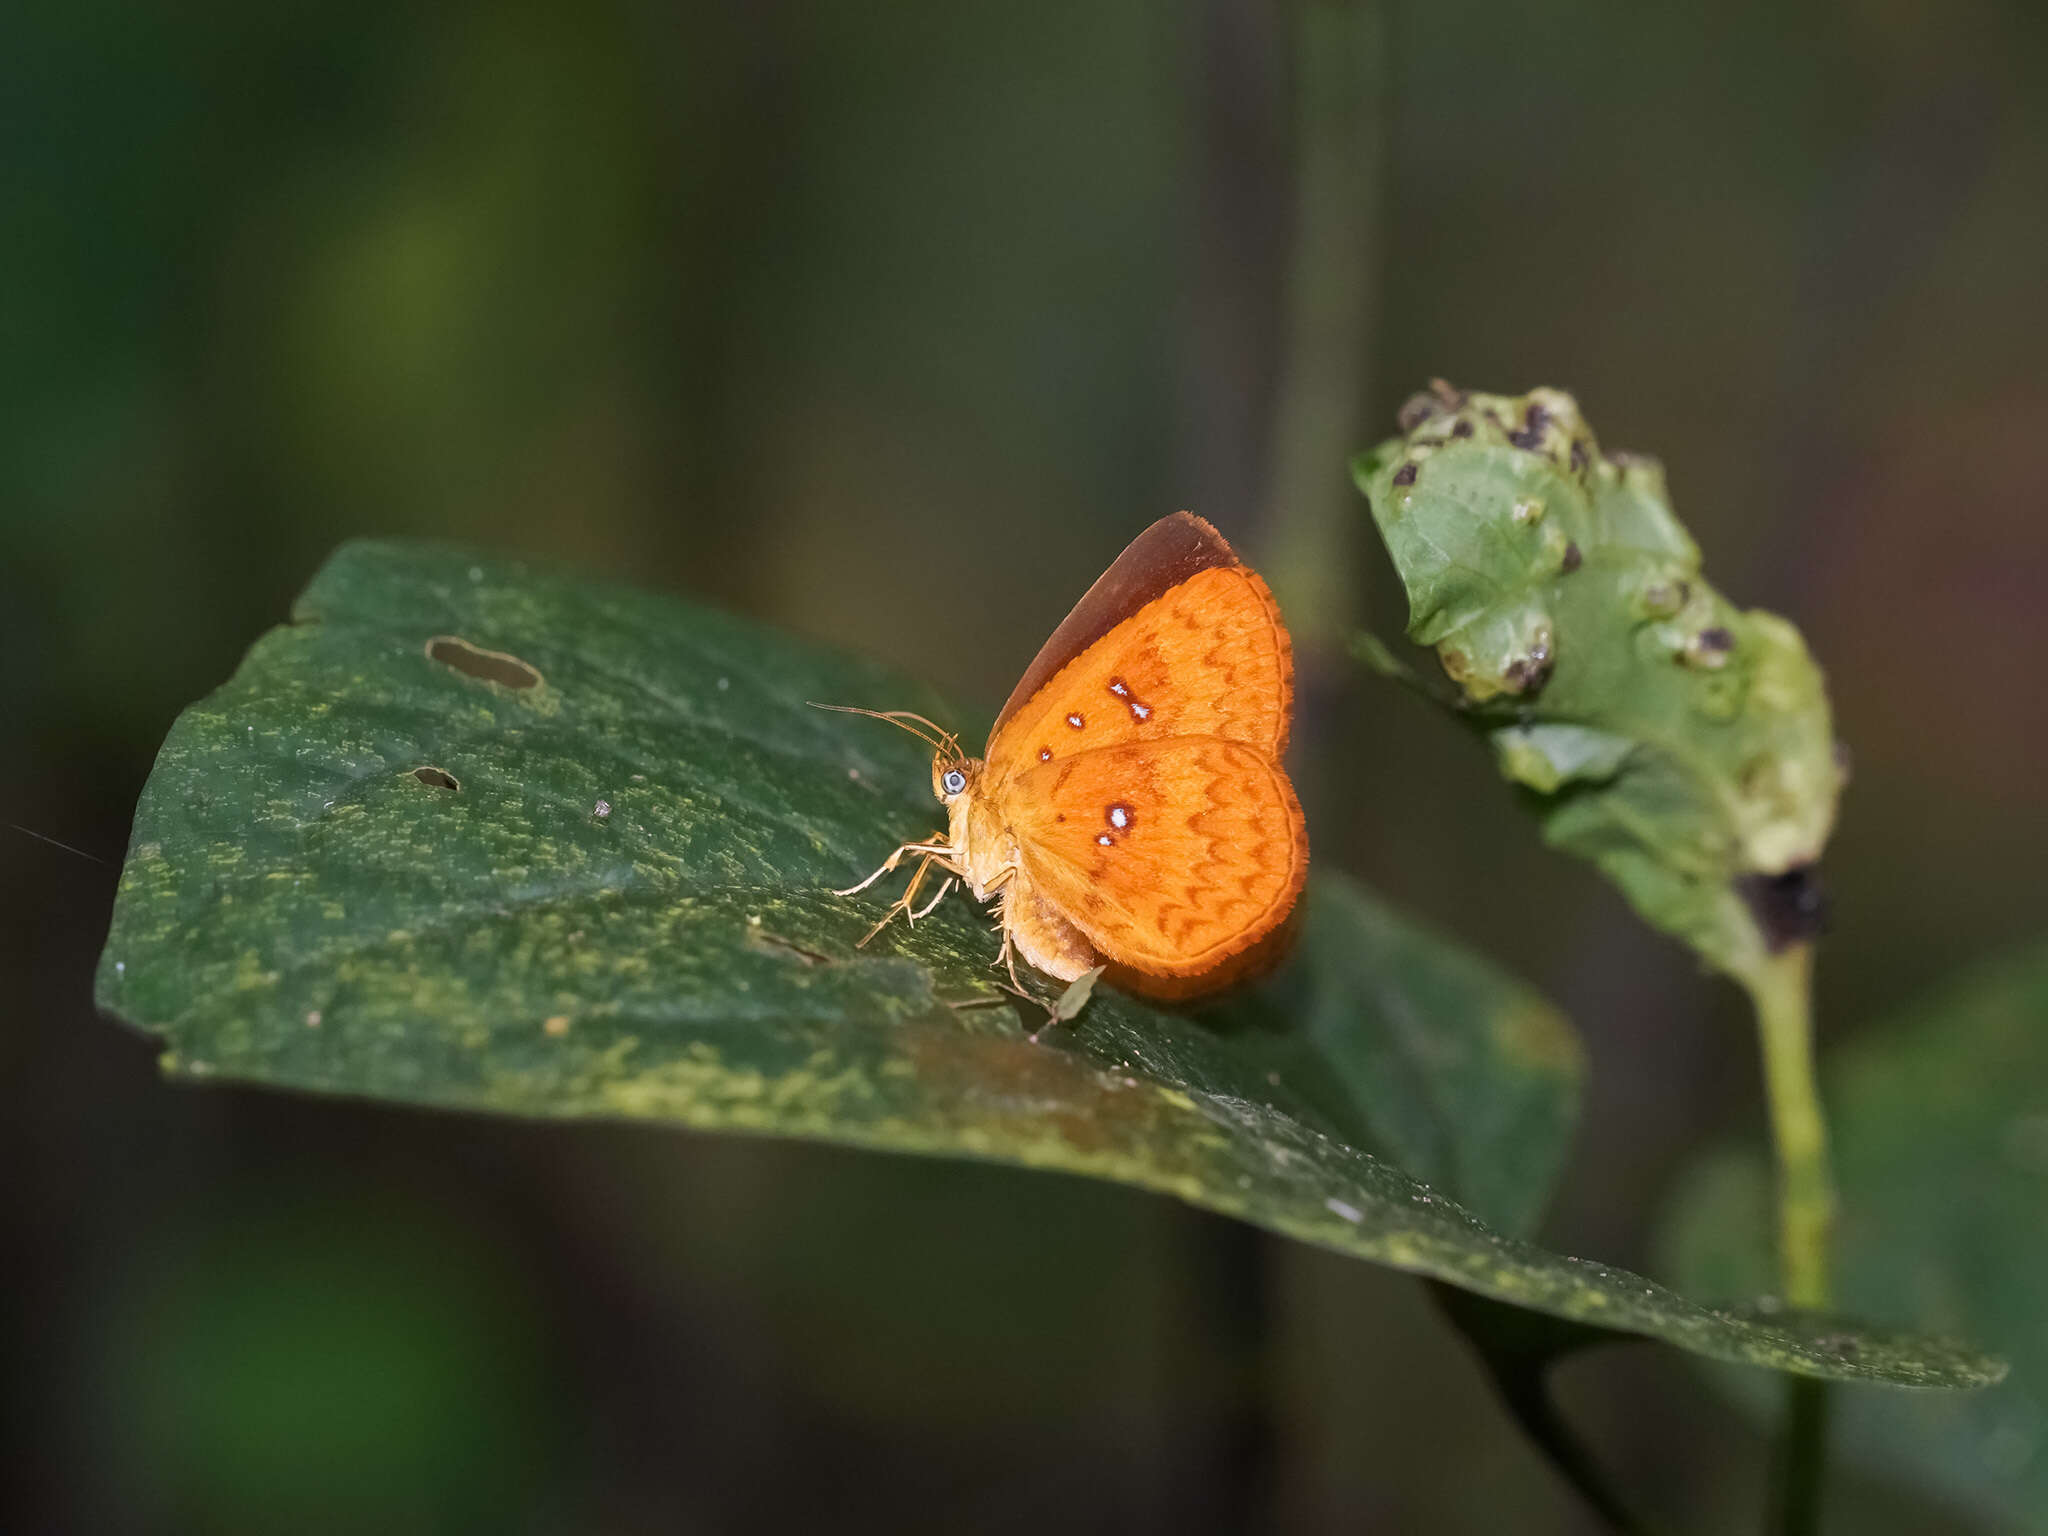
x=901, y=903
x=1007, y=956
x=907, y=902
x=929, y=907
x=937, y=847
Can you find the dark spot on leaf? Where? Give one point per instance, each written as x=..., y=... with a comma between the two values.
x=1416, y=410
x=1405, y=475
x=1527, y=674
x=1789, y=908
x=993, y=1000
x=1717, y=639
x=436, y=778
x=774, y=944
x=1578, y=458
x=499, y=667
x=1536, y=419
x=1462, y=429
x=1526, y=439
x=1572, y=558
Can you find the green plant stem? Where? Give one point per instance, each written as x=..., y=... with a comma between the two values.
x=1802, y=1457
x=1340, y=73
x=1782, y=990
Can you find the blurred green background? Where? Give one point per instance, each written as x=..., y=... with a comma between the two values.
x=891, y=324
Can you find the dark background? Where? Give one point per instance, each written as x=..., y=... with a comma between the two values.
x=892, y=323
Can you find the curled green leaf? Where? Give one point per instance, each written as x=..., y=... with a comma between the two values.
x=1680, y=743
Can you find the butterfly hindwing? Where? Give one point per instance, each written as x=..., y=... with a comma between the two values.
x=1171, y=856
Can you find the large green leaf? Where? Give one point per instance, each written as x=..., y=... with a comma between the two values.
x=1941, y=1141
x=1681, y=744
x=472, y=836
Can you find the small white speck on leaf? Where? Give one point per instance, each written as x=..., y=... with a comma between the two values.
x=602, y=809
x=120, y=967
x=724, y=683
x=557, y=1025
x=1350, y=1213
x=313, y=1018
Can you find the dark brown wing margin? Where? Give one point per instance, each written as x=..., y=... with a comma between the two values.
x=1155, y=562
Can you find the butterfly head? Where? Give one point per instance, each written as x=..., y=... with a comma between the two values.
x=953, y=775
x=953, y=772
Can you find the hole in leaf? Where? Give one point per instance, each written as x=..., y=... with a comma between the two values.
x=436, y=778
x=498, y=667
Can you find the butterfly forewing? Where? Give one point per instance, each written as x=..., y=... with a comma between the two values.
x=1206, y=658
x=1171, y=856
x=1153, y=564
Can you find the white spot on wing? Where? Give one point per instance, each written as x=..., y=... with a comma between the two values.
x=1075, y=721
x=1142, y=711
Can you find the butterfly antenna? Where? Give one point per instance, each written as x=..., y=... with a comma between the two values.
x=43, y=838
x=938, y=740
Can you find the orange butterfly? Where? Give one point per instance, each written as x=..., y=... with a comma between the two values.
x=1131, y=810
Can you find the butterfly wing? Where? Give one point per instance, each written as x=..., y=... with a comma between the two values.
x=1207, y=657
x=1156, y=561
x=1171, y=856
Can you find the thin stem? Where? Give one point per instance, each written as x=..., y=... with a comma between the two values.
x=1783, y=993
x=1782, y=990
x=1340, y=72
x=1802, y=1457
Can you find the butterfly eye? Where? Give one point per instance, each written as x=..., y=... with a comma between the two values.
x=954, y=781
